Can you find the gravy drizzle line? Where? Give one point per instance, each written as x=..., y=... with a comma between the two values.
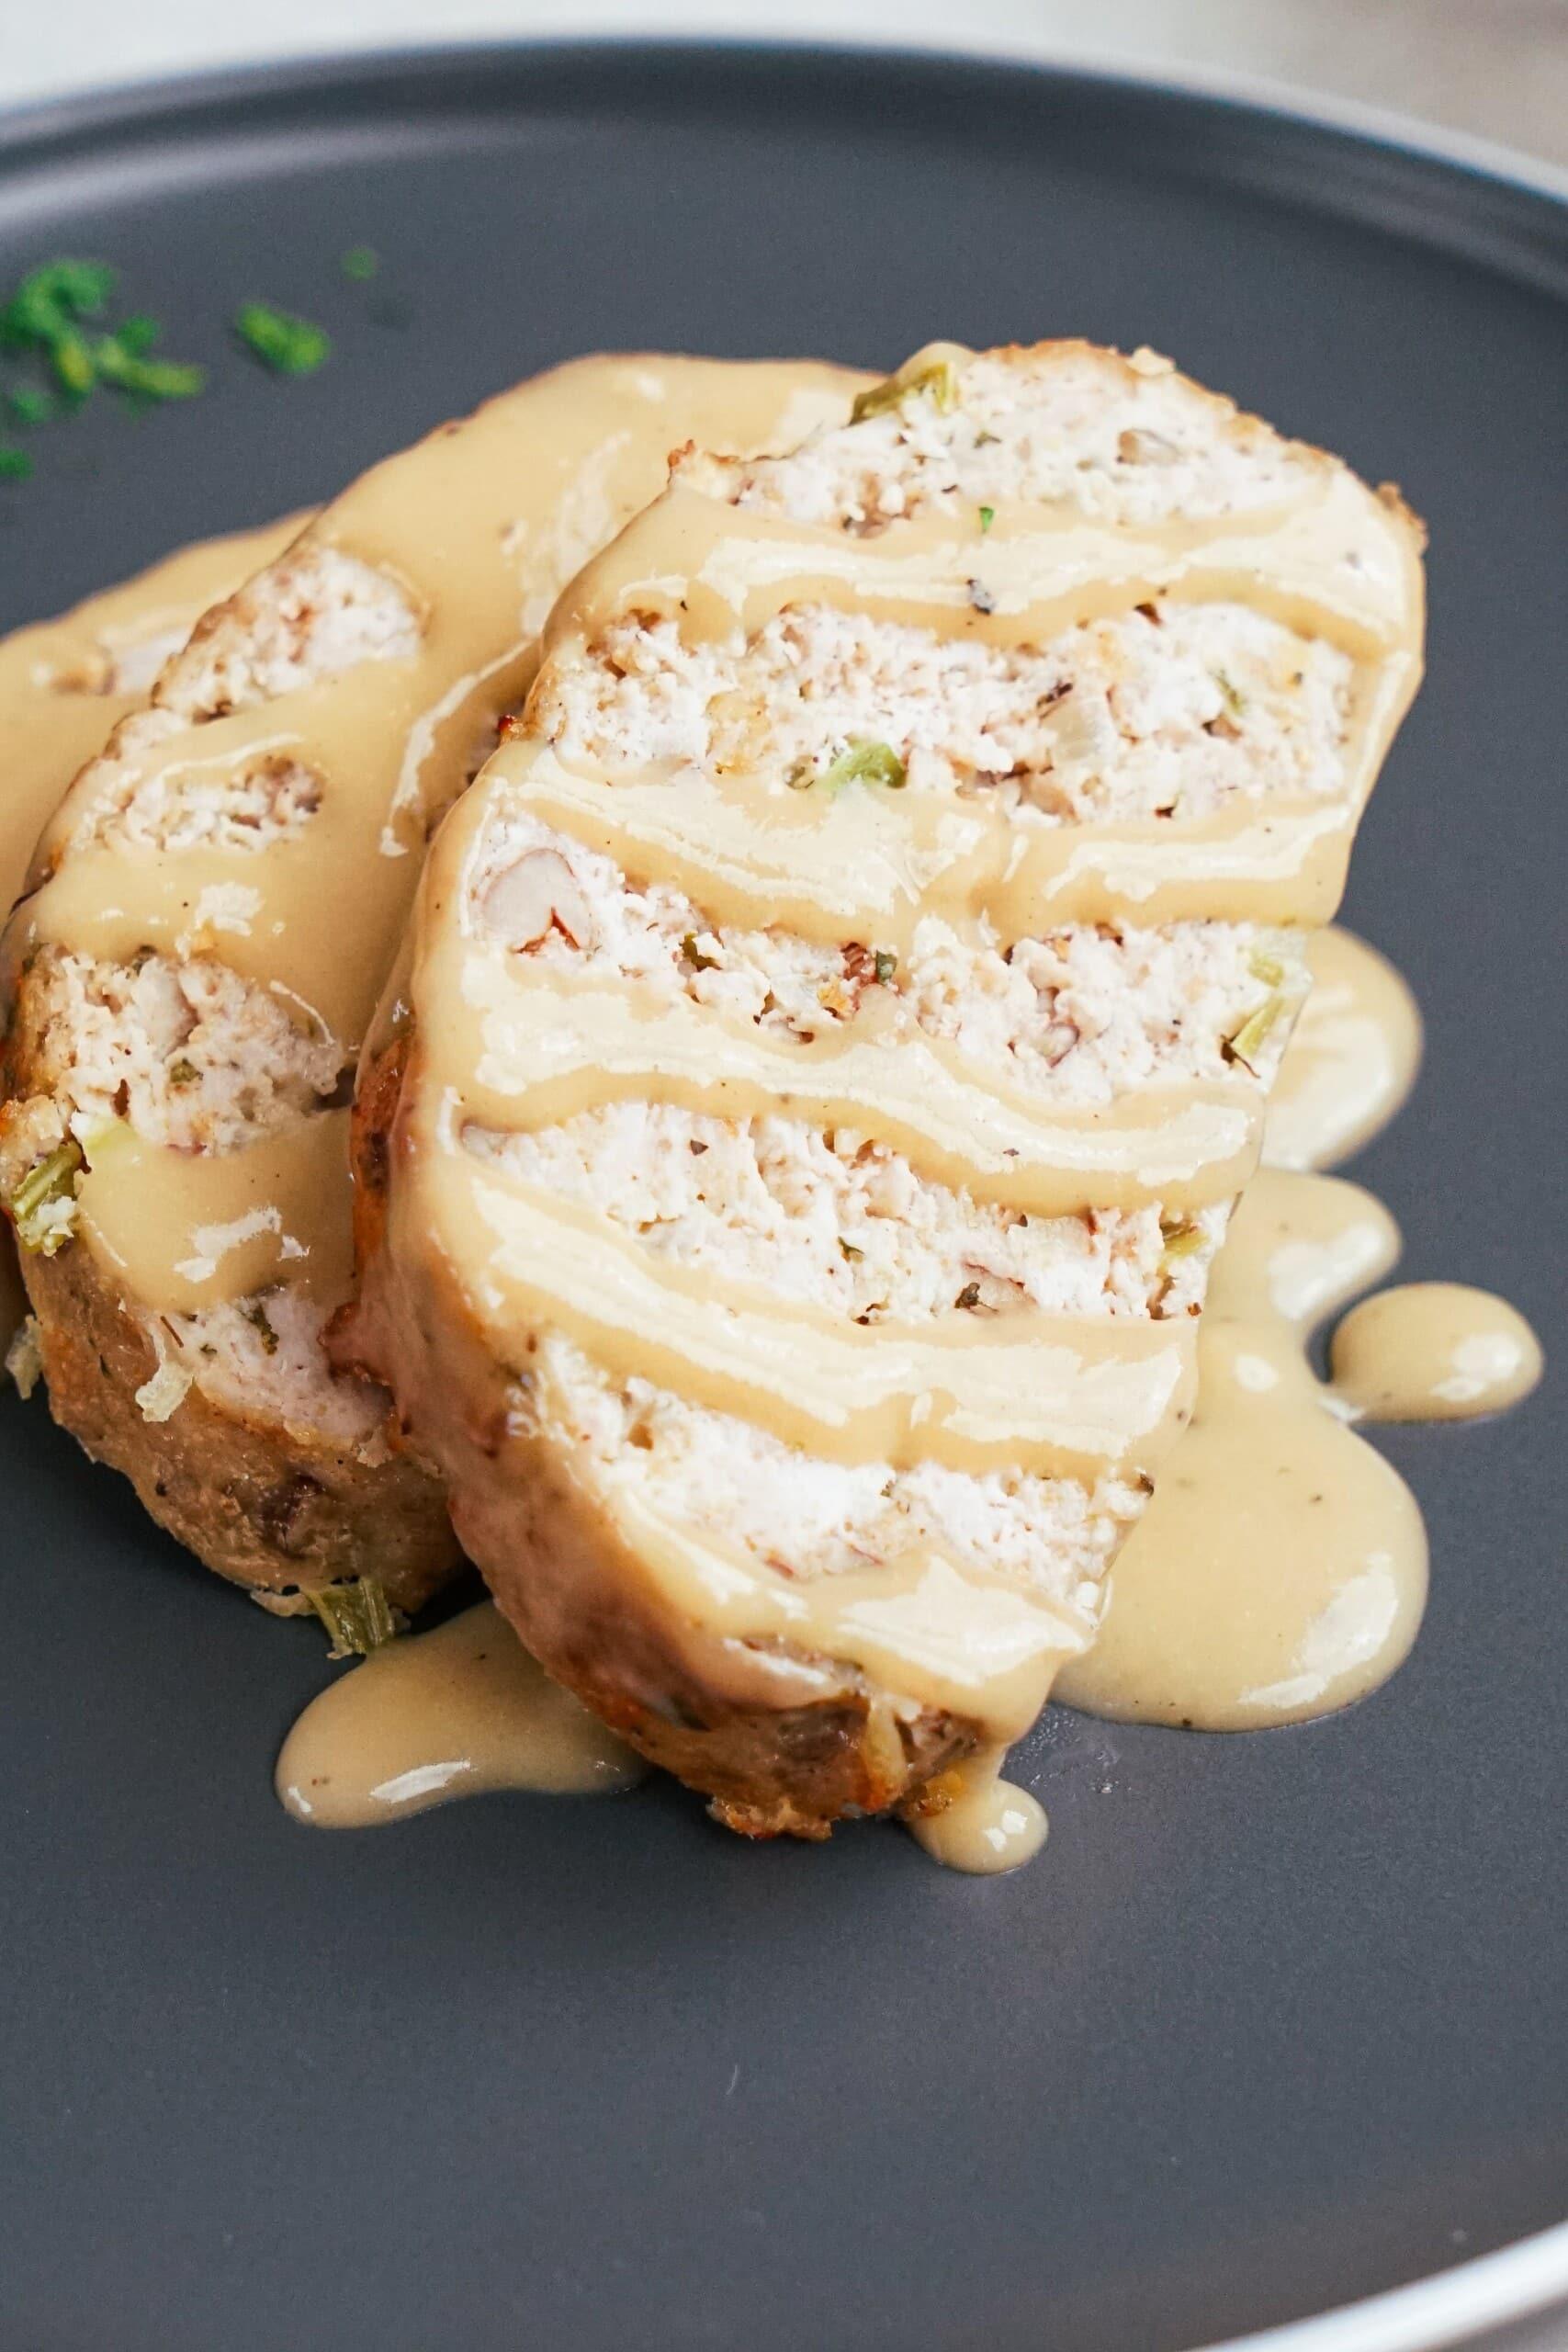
x=480, y=526
x=58, y=699
x=1334, y=560
x=552, y=1044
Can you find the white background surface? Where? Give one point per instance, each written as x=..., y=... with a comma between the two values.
x=1494, y=68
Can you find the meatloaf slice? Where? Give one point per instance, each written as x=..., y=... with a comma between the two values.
x=888, y=821
x=264, y=820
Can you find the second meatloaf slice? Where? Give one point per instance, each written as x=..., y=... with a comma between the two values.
x=212, y=918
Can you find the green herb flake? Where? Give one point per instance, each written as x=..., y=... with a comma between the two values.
x=1245, y=1042
x=939, y=381
x=255, y=1316
x=40, y=1192
x=360, y=263
x=51, y=298
x=143, y=378
x=864, y=764
x=71, y=359
x=357, y=1615
x=26, y=406
x=289, y=347
x=183, y=1072
x=1235, y=700
x=987, y=516
x=886, y=964
x=1180, y=1241
x=15, y=464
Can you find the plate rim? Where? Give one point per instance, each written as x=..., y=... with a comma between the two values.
x=1525, y=2278
x=120, y=103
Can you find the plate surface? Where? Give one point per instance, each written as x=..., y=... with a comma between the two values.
x=1276, y=2021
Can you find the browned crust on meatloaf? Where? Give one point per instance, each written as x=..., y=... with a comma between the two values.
x=568, y=1584
x=278, y=1517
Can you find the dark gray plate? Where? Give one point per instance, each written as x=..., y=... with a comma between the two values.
x=1277, y=2021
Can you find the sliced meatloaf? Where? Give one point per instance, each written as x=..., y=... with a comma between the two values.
x=211, y=921
x=837, y=1023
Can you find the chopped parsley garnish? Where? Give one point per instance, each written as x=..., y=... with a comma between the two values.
x=70, y=358
x=137, y=335
x=55, y=327
x=26, y=406
x=47, y=304
x=864, y=764
x=887, y=964
x=987, y=516
x=289, y=347
x=43, y=322
x=360, y=263
x=146, y=380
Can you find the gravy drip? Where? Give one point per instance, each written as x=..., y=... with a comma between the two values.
x=987, y=1827
x=1351, y=1060
x=478, y=527
x=507, y=1048
x=1433, y=1352
x=455, y=1713
x=1280, y=1569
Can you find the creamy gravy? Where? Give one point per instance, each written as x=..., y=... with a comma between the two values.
x=65, y=684
x=479, y=528
x=503, y=1045
x=455, y=1713
x=1280, y=1571
x=987, y=1826
x=1352, y=1058
x=1433, y=1352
